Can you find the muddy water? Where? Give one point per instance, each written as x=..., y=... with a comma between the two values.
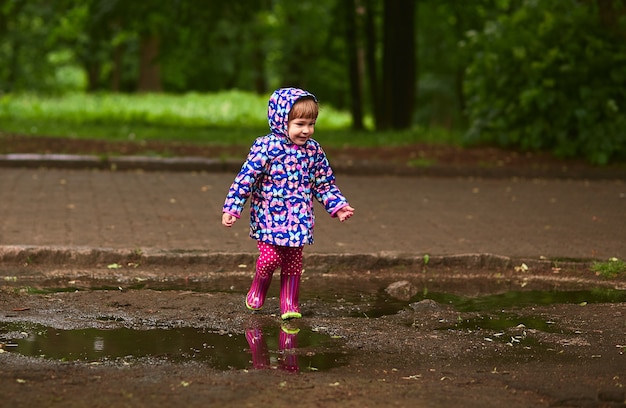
x=282, y=347
x=270, y=344
x=386, y=305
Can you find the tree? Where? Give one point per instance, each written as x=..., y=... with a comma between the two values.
x=371, y=64
x=96, y=42
x=354, y=66
x=151, y=20
x=549, y=76
x=442, y=26
x=25, y=27
x=399, y=64
x=393, y=93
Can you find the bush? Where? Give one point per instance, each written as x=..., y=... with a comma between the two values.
x=549, y=76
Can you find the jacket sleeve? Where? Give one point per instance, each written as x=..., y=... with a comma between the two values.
x=324, y=188
x=244, y=182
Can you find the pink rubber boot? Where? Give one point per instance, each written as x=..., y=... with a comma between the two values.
x=289, y=294
x=258, y=290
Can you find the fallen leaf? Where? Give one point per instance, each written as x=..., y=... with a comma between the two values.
x=522, y=268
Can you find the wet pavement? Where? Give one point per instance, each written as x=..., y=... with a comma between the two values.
x=73, y=209
x=466, y=327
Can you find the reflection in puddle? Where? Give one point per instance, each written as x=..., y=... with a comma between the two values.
x=268, y=347
x=504, y=321
x=287, y=345
x=494, y=314
x=386, y=305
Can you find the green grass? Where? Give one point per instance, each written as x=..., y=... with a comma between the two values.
x=609, y=269
x=225, y=118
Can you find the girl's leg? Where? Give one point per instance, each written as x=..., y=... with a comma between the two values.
x=290, y=274
x=266, y=264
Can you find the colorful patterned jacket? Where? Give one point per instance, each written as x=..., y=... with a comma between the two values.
x=281, y=179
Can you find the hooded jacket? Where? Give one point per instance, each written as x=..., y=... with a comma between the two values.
x=281, y=179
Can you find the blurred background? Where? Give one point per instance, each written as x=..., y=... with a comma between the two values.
x=532, y=75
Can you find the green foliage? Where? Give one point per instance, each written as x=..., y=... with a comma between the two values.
x=609, y=269
x=230, y=118
x=191, y=110
x=305, y=47
x=145, y=116
x=549, y=76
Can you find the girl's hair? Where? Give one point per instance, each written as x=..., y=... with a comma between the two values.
x=305, y=107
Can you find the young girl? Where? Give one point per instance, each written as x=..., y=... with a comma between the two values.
x=283, y=172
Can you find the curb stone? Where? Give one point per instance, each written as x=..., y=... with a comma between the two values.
x=362, y=168
x=56, y=256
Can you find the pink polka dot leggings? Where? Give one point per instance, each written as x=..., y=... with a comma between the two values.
x=272, y=257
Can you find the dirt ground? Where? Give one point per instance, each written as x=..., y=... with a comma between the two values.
x=398, y=159
x=417, y=355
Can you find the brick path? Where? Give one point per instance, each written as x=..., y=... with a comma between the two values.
x=418, y=215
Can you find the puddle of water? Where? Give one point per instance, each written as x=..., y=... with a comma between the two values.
x=536, y=298
x=504, y=321
x=498, y=324
x=386, y=305
x=272, y=347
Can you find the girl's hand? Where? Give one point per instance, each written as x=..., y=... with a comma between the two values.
x=228, y=219
x=345, y=213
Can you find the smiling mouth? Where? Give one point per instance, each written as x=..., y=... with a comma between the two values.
x=299, y=139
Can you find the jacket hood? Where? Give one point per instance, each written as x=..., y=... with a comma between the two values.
x=279, y=106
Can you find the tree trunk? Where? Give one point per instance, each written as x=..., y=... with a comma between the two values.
x=354, y=72
x=611, y=11
x=399, y=63
x=370, y=63
x=258, y=69
x=93, y=76
x=116, y=74
x=149, y=68
x=13, y=45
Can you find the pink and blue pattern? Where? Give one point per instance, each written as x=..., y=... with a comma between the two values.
x=281, y=178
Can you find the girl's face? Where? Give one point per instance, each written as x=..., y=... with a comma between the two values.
x=300, y=130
